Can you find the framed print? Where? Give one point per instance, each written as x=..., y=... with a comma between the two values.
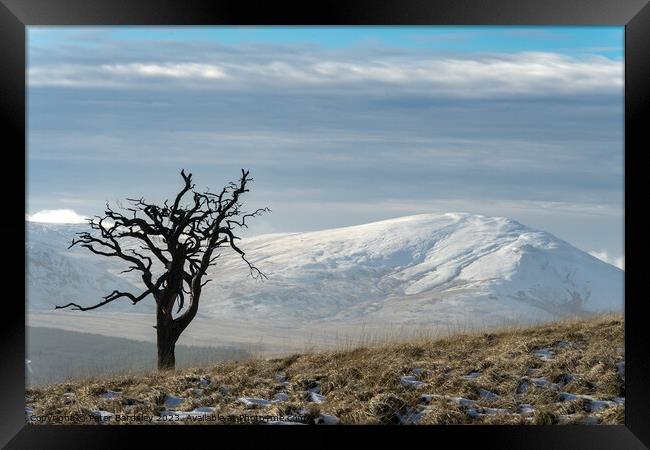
x=381, y=218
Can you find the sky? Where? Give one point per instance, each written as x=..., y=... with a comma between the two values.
x=338, y=125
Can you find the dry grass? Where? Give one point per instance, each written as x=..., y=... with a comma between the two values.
x=363, y=385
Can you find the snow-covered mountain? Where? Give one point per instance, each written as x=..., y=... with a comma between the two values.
x=433, y=268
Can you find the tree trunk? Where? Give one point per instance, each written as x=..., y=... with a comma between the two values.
x=167, y=334
x=166, y=346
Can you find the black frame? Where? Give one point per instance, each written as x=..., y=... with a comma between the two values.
x=15, y=15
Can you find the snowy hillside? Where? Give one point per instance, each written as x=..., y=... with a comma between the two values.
x=449, y=268
x=57, y=276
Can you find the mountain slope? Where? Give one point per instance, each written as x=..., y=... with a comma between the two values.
x=418, y=268
x=432, y=268
x=57, y=276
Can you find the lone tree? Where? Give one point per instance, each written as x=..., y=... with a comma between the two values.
x=181, y=240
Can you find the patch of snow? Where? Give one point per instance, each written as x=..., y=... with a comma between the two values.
x=487, y=394
x=482, y=412
x=523, y=387
x=545, y=354
x=543, y=382
x=591, y=405
x=316, y=398
x=620, y=400
x=204, y=409
x=172, y=402
x=568, y=378
x=526, y=409
x=598, y=405
x=460, y=401
x=204, y=382
x=620, y=369
x=29, y=410
x=250, y=402
x=28, y=399
x=563, y=344
x=111, y=395
x=425, y=398
x=471, y=376
x=411, y=381
x=567, y=396
x=315, y=389
x=281, y=377
x=281, y=397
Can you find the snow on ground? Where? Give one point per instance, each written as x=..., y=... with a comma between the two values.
x=460, y=401
x=526, y=409
x=316, y=398
x=487, y=394
x=480, y=412
x=411, y=381
x=111, y=395
x=173, y=402
x=281, y=397
x=471, y=376
x=251, y=402
x=545, y=354
x=592, y=404
x=543, y=382
x=620, y=367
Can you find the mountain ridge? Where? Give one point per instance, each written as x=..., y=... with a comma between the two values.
x=437, y=267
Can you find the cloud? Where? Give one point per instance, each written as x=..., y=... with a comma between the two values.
x=469, y=76
x=56, y=216
x=604, y=256
x=186, y=70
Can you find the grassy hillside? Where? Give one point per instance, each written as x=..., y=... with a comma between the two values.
x=561, y=373
x=60, y=354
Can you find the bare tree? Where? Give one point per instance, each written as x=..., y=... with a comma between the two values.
x=182, y=239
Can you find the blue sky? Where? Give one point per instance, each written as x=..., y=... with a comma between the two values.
x=338, y=125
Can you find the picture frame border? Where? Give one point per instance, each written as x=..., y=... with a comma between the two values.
x=634, y=15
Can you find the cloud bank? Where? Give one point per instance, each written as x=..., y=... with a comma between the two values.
x=469, y=76
x=336, y=134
